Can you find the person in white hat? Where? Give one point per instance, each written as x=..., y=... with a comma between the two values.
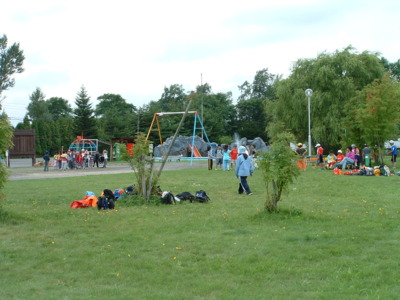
x=244, y=168
x=393, y=153
x=320, y=156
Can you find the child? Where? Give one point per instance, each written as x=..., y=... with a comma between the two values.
x=331, y=160
x=210, y=158
x=234, y=155
x=244, y=168
x=226, y=158
x=320, y=156
x=219, y=156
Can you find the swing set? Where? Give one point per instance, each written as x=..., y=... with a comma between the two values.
x=193, y=149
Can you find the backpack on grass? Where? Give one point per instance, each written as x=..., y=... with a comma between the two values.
x=167, y=198
x=186, y=196
x=201, y=196
x=106, y=200
x=104, y=203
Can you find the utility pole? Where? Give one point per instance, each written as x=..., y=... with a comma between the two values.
x=202, y=116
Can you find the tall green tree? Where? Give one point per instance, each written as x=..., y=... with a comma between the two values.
x=38, y=108
x=59, y=108
x=11, y=61
x=393, y=68
x=335, y=78
x=84, y=121
x=116, y=117
x=219, y=115
x=376, y=111
x=252, y=117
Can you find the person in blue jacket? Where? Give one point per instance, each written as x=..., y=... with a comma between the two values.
x=244, y=168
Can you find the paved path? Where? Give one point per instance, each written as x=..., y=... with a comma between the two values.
x=19, y=171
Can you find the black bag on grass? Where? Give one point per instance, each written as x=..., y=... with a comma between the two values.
x=105, y=203
x=167, y=198
x=186, y=196
x=108, y=194
x=201, y=196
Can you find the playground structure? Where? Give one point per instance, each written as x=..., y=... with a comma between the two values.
x=197, y=121
x=92, y=145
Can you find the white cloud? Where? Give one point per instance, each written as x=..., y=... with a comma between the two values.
x=136, y=48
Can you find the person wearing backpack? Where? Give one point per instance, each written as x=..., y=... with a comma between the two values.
x=244, y=168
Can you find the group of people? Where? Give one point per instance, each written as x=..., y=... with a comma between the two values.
x=72, y=159
x=242, y=160
x=353, y=156
x=225, y=158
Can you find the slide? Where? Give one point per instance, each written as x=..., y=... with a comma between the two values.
x=196, y=152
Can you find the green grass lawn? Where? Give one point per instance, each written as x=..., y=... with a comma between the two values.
x=335, y=237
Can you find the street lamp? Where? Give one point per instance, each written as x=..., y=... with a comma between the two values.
x=309, y=94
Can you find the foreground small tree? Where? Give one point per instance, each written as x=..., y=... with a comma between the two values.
x=279, y=169
x=11, y=61
x=6, y=134
x=142, y=165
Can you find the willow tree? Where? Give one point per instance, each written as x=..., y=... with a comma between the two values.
x=375, y=114
x=335, y=78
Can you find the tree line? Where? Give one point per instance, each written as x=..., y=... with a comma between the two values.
x=356, y=99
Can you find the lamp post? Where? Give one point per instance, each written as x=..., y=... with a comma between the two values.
x=309, y=94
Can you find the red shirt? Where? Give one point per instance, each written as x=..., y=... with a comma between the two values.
x=234, y=153
x=339, y=157
x=320, y=151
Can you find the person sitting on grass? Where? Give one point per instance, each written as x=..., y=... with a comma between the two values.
x=348, y=160
x=339, y=156
x=331, y=160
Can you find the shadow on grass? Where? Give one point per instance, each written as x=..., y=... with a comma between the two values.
x=9, y=218
x=283, y=214
x=137, y=200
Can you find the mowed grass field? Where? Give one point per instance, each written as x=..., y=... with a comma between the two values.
x=335, y=237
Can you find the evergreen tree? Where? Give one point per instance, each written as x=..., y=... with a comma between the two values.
x=84, y=121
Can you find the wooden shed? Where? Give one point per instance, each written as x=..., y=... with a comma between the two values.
x=24, y=145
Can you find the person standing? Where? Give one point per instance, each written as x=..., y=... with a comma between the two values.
x=226, y=158
x=357, y=160
x=64, y=161
x=210, y=158
x=55, y=164
x=219, y=157
x=393, y=153
x=105, y=155
x=96, y=159
x=46, y=159
x=244, y=168
x=300, y=151
x=234, y=155
x=320, y=156
x=366, y=155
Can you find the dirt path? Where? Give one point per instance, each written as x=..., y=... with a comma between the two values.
x=27, y=172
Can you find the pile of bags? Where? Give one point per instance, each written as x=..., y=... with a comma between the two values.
x=367, y=171
x=106, y=200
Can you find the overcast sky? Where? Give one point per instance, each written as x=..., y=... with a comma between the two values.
x=136, y=48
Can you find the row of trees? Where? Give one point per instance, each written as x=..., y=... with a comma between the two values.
x=57, y=124
x=355, y=100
